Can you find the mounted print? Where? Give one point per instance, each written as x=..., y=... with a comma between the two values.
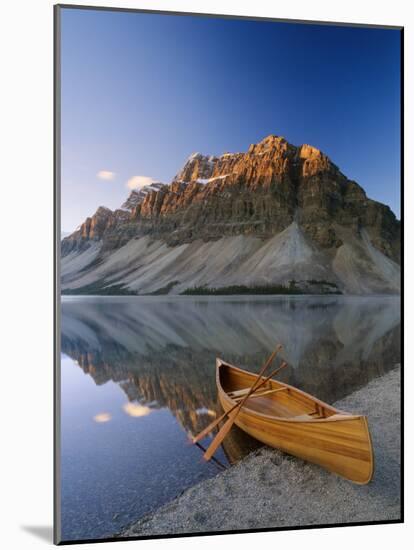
x=228, y=274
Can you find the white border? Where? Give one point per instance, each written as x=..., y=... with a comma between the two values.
x=26, y=276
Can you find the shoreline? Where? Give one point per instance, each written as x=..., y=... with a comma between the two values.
x=270, y=489
x=228, y=297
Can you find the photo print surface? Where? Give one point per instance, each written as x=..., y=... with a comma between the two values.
x=229, y=274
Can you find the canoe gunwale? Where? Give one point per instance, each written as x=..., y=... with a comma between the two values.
x=338, y=416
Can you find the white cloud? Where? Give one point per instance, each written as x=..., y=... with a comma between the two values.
x=137, y=182
x=106, y=175
x=102, y=417
x=136, y=409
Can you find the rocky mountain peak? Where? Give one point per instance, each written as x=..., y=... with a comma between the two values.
x=269, y=143
x=257, y=195
x=102, y=211
x=308, y=151
x=198, y=166
x=138, y=195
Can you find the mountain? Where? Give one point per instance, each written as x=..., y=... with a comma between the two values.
x=277, y=214
x=138, y=195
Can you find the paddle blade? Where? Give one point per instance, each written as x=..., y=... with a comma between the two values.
x=215, y=444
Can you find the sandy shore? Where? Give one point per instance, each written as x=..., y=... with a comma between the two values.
x=269, y=489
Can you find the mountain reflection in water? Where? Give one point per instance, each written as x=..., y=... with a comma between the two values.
x=160, y=351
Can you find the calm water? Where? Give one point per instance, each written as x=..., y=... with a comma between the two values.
x=138, y=378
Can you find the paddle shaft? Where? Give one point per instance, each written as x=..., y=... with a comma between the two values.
x=262, y=394
x=211, y=426
x=255, y=387
x=232, y=416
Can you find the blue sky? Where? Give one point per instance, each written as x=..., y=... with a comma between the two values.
x=141, y=92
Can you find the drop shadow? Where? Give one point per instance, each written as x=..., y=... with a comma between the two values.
x=43, y=532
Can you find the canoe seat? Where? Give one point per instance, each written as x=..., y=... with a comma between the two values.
x=238, y=393
x=303, y=417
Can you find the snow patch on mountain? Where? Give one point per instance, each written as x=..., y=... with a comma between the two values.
x=204, y=181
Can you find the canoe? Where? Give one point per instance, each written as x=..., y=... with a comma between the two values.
x=297, y=423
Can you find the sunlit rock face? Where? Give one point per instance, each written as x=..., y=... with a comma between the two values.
x=94, y=229
x=138, y=195
x=273, y=193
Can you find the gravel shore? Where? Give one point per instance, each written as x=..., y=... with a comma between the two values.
x=270, y=489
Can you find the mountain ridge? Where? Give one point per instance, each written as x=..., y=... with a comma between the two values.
x=257, y=195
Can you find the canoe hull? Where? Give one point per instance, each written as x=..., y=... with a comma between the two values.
x=341, y=445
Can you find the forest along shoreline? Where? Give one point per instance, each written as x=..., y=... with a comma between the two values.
x=270, y=489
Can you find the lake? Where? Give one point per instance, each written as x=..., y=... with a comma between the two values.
x=138, y=378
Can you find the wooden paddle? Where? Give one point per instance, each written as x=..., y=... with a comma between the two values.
x=215, y=423
x=263, y=393
x=211, y=426
x=232, y=415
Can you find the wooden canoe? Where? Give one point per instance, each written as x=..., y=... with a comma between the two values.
x=297, y=423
